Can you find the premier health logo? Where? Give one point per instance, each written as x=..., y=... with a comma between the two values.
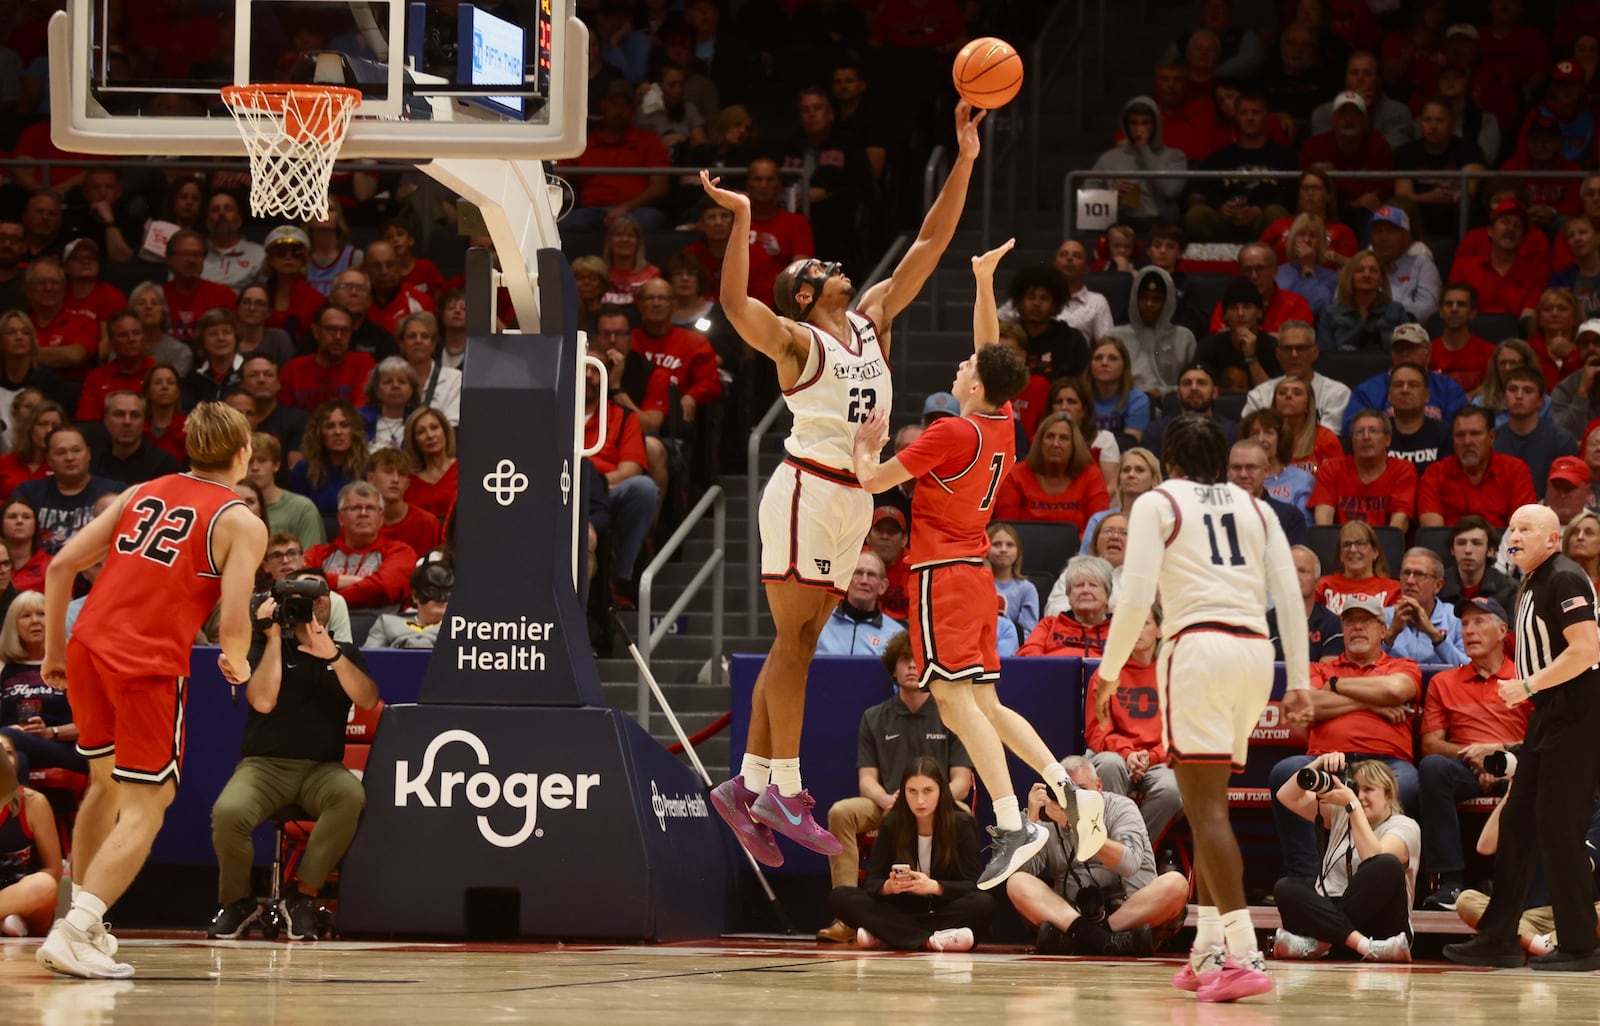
x=689, y=806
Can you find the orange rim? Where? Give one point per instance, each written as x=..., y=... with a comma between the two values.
x=311, y=113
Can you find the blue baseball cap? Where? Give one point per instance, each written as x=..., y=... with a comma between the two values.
x=1483, y=604
x=940, y=404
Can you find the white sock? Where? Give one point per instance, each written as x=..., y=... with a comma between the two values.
x=77, y=889
x=757, y=772
x=1006, y=814
x=786, y=774
x=1207, y=935
x=87, y=911
x=1240, y=933
x=1054, y=774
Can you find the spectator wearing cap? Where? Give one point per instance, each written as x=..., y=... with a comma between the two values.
x=1506, y=283
x=1472, y=572
x=887, y=539
x=1422, y=628
x=1565, y=115
x=1409, y=344
x=1242, y=355
x=431, y=585
x=1258, y=264
x=1576, y=400
x=1463, y=720
x=1158, y=348
x=1457, y=353
x=1081, y=629
x=1142, y=149
x=1390, y=118
x=1413, y=280
x=1475, y=478
x=231, y=259
x=1362, y=702
x=1363, y=315
x=1297, y=353
x=1438, y=148
x=1059, y=480
x=1351, y=144
x=614, y=141
x=86, y=293
x=858, y=625
x=1368, y=485
x=1582, y=276
x=293, y=300
x=1548, y=198
x=1197, y=393
x=937, y=405
x=1038, y=301
x=1531, y=438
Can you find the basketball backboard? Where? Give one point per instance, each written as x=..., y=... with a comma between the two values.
x=496, y=79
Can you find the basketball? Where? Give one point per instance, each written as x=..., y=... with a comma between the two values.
x=988, y=73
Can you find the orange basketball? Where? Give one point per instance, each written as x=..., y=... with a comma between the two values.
x=987, y=73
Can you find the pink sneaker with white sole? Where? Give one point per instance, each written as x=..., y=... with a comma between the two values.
x=792, y=817
x=1236, y=980
x=732, y=800
x=1188, y=979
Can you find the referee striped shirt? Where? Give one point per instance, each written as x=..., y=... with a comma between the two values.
x=1555, y=596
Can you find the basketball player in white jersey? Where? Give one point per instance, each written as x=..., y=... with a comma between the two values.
x=1215, y=554
x=833, y=367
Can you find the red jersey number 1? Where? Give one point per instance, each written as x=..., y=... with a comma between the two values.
x=996, y=465
x=158, y=532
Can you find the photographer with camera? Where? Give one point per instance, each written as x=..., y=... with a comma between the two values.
x=1109, y=904
x=1463, y=724
x=1364, y=888
x=292, y=753
x=1546, y=814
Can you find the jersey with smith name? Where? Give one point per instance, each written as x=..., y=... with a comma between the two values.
x=841, y=382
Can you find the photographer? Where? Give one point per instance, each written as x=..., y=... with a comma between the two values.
x=431, y=584
x=1364, y=890
x=1108, y=905
x=293, y=752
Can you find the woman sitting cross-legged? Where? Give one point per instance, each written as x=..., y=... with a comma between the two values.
x=921, y=891
x=1363, y=895
x=30, y=854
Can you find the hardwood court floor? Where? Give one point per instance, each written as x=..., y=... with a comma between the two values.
x=186, y=981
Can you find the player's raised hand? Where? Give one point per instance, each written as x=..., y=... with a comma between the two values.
x=874, y=431
x=727, y=198
x=983, y=264
x=967, y=129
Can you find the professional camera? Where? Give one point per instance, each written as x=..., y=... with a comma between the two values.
x=1320, y=781
x=296, y=598
x=1500, y=764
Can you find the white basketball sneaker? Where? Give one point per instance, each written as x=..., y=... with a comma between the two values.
x=72, y=952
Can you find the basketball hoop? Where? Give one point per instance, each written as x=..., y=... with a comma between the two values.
x=293, y=134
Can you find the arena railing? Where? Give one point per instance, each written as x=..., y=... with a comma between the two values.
x=1075, y=180
x=715, y=568
x=752, y=472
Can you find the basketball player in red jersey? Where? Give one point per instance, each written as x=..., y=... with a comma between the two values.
x=959, y=463
x=833, y=367
x=170, y=547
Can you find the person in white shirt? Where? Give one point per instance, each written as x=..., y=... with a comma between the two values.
x=1086, y=309
x=1297, y=354
x=231, y=259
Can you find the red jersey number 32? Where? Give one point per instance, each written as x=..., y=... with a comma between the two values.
x=158, y=532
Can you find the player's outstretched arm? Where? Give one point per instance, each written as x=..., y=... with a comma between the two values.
x=240, y=542
x=83, y=550
x=766, y=332
x=985, y=316
x=870, y=440
x=884, y=301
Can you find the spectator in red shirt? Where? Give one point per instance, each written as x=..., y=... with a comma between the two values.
x=1314, y=196
x=293, y=301
x=1352, y=145
x=919, y=25
x=627, y=267
x=1259, y=264
x=369, y=570
x=1363, y=701
x=389, y=471
x=1476, y=479
x=86, y=293
x=1512, y=52
x=416, y=273
x=1128, y=753
x=332, y=372
x=1458, y=353
x=1187, y=124
x=716, y=224
x=1548, y=198
x=1058, y=481
x=686, y=356
x=189, y=295
x=637, y=384
x=631, y=496
x=1463, y=720
x=1364, y=571
x=777, y=237
x=1368, y=485
x=68, y=342
x=616, y=142
x=1081, y=630
x=1506, y=281
x=392, y=298
x=126, y=371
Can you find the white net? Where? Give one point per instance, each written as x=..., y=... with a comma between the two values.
x=293, y=134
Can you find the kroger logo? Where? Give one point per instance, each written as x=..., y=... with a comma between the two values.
x=689, y=806
x=505, y=482
x=485, y=790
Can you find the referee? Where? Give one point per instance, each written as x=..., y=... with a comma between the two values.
x=1548, y=808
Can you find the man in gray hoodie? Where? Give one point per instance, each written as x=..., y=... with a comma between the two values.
x=1159, y=348
x=1142, y=199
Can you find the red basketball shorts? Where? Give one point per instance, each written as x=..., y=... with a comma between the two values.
x=954, y=610
x=138, y=721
